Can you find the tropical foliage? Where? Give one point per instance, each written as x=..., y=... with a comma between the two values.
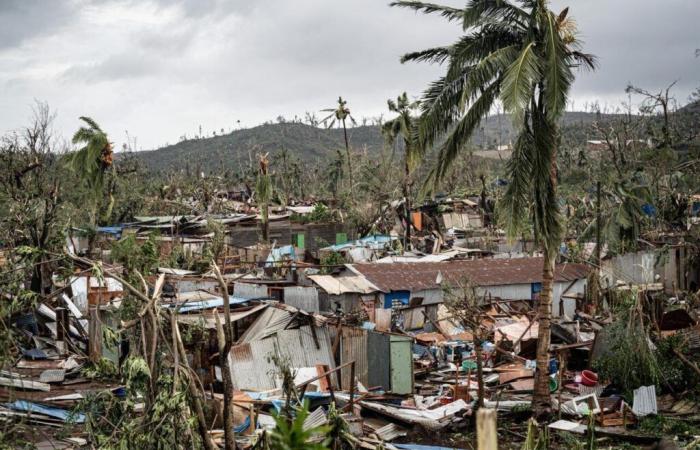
x=524, y=55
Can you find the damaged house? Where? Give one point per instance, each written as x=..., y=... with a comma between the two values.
x=415, y=284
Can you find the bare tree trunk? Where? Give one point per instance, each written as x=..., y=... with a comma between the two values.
x=479, y=371
x=225, y=338
x=407, y=204
x=265, y=222
x=347, y=151
x=195, y=394
x=541, y=401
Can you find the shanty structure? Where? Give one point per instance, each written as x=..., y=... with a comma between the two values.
x=344, y=293
x=402, y=284
x=381, y=359
x=283, y=333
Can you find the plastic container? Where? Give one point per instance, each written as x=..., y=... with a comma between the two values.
x=553, y=385
x=589, y=378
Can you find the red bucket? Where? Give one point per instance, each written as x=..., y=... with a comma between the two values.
x=589, y=378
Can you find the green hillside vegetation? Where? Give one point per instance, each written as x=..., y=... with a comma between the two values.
x=314, y=144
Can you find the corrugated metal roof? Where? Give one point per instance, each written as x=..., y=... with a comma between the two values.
x=208, y=319
x=644, y=401
x=269, y=322
x=315, y=419
x=304, y=298
x=343, y=285
x=277, y=318
x=482, y=272
x=251, y=366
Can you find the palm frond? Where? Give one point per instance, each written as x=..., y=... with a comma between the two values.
x=447, y=12
x=519, y=80
x=546, y=212
x=488, y=69
x=587, y=61
x=479, y=12
x=472, y=48
x=516, y=199
x=431, y=55
x=557, y=75
x=91, y=123
x=459, y=136
x=440, y=108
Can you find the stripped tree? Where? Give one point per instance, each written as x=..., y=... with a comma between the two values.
x=340, y=115
x=403, y=127
x=263, y=194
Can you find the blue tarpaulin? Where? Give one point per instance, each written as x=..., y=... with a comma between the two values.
x=649, y=210
x=116, y=231
x=278, y=254
x=396, y=296
x=242, y=427
x=207, y=304
x=57, y=413
x=376, y=241
x=695, y=209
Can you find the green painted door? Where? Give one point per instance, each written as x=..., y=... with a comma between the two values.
x=299, y=241
x=401, y=365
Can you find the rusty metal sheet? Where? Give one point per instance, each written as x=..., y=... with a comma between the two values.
x=353, y=347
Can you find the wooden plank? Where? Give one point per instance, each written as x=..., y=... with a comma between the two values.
x=24, y=384
x=486, y=435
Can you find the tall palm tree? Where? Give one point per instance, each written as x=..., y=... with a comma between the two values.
x=523, y=54
x=92, y=162
x=403, y=127
x=340, y=115
x=95, y=157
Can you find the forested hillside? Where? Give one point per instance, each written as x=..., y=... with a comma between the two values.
x=308, y=143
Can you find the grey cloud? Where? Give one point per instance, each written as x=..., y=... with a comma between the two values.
x=195, y=9
x=214, y=61
x=646, y=42
x=21, y=20
x=113, y=68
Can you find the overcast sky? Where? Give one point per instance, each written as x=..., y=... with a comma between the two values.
x=161, y=68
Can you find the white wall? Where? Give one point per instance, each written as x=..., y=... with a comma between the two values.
x=516, y=292
x=643, y=267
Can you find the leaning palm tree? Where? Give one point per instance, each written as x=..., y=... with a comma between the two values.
x=403, y=127
x=339, y=115
x=92, y=162
x=523, y=54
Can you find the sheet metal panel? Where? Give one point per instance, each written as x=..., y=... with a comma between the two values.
x=378, y=360
x=353, y=347
x=303, y=298
x=401, y=364
x=270, y=321
x=250, y=368
x=249, y=290
x=299, y=346
x=412, y=318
